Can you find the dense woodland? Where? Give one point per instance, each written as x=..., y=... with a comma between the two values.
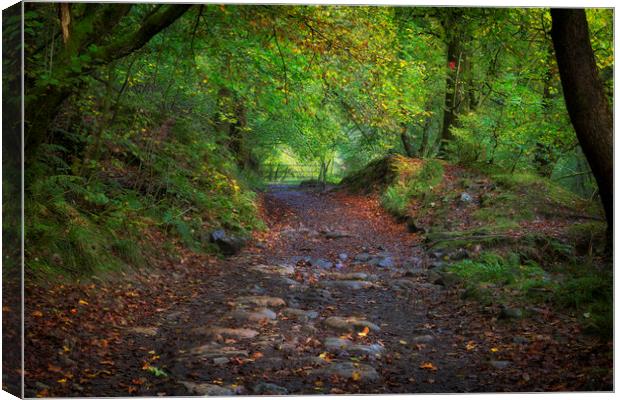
x=145, y=118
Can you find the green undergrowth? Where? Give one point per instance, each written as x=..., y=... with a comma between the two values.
x=84, y=219
x=415, y=181
x=510, y=278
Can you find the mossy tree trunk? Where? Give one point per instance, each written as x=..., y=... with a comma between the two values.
x=92, y=38
x=585, y=99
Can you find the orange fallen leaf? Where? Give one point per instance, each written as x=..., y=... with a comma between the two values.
x=428, y=365
x=74, y=311
x=83, y=302
x=53, y=368
x=37, y=314
x=470, y=345
x=363, y=333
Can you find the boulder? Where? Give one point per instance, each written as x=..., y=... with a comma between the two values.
x=510, y=313
x=228, y=244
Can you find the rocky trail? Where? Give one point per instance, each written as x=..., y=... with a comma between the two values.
x=335, y=297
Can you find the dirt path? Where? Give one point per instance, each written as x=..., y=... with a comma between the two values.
x=333, y=298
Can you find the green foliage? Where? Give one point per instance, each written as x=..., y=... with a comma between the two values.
x=414, y=181
x=588, y=292
x=493, y=268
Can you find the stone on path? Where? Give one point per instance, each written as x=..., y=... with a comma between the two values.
x=207, y=389
x=220, y=360
x=350, y=370
x=258, y=315
x=274, y=269
x=263, y=301
x=336, y=344
x=500, y=364
x=404, y=284
x=510, y=313
x=302, y=315
x=352, y=285
x=350, y=276
x=144, y=330
x=269, y=388
x=422, y=339
x=350, y=324
x=214, y=350
x=386, y=262
x=321, y=263
x=235, y=333
x=343, y=256
x=362, y=257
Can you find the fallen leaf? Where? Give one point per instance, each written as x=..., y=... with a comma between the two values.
x=470, y=345
x=356, y=376
x=53, y=368
x=364, y=333
x=83, y=302
x=428, y=365
x=37, y=314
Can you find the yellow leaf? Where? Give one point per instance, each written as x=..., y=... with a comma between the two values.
x=37, y=314
x=325, y=356
x=363, y=333
x=494, y=349
x=402, y=342
x=356, y=376
x=63, y=380
x=83, y=302
x=470, y=346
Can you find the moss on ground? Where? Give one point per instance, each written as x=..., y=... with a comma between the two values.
x=512, y=278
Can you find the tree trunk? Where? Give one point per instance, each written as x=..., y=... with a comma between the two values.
x=457, y=61
x=585, y=99
x=404, y=137
x=42, y=102
x=452, y=90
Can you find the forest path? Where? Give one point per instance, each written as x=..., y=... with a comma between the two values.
x=296, y=308
x=335, y=297
x=288, y=314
